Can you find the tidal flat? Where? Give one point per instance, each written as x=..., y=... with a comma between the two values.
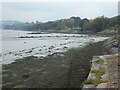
x=59, y=70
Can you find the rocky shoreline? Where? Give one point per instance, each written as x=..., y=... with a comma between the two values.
x=104, y=69
x=103, y=73
x=59, y=70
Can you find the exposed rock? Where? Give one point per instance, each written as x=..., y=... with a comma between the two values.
x=102, y=85
x=88, y=86
x=91, y=76
x=25, y=75
x=104, y=78
x=110, y=78
x=111, y=45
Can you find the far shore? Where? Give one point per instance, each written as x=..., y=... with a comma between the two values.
x=104, y=34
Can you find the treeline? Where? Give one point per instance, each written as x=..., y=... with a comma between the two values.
x=71, y=24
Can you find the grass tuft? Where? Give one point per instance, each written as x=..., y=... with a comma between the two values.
x=99, y=72
x=100, y=61
x=95, y=81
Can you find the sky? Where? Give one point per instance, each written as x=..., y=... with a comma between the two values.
x=50, y=11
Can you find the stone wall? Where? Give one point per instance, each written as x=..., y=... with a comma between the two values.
x=103, y=73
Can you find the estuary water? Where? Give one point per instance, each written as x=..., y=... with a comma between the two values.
x=12, y=47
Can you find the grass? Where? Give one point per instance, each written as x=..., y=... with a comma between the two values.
x=99, y=72
x=95, y=81
x=100, y=61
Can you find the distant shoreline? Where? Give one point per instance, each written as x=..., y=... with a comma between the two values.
x=87, y=33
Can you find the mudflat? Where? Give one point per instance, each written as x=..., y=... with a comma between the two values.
x=60, y=70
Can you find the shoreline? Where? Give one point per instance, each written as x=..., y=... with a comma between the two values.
x=54, y=71
x=44, y=45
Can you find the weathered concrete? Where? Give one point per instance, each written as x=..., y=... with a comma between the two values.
x=110, y=78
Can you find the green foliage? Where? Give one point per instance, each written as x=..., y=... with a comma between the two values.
x=96, y=25
x=100, y=61
x=85, y=25
x=94, y=81
x=99, y=72
x=89, y=81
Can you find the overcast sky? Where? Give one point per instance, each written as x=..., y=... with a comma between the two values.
x=47, y=11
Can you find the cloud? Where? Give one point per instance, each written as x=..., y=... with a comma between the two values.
x=45, y=11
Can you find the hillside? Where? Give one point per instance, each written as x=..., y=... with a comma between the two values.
x=70, y=25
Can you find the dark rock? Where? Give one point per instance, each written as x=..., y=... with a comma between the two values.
x=51, y=47
x=44, y=45
x=29, y=51
x=65, y=47
x=25, y=75
x=49, y=51
x=10, y=52
x=57, y=49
